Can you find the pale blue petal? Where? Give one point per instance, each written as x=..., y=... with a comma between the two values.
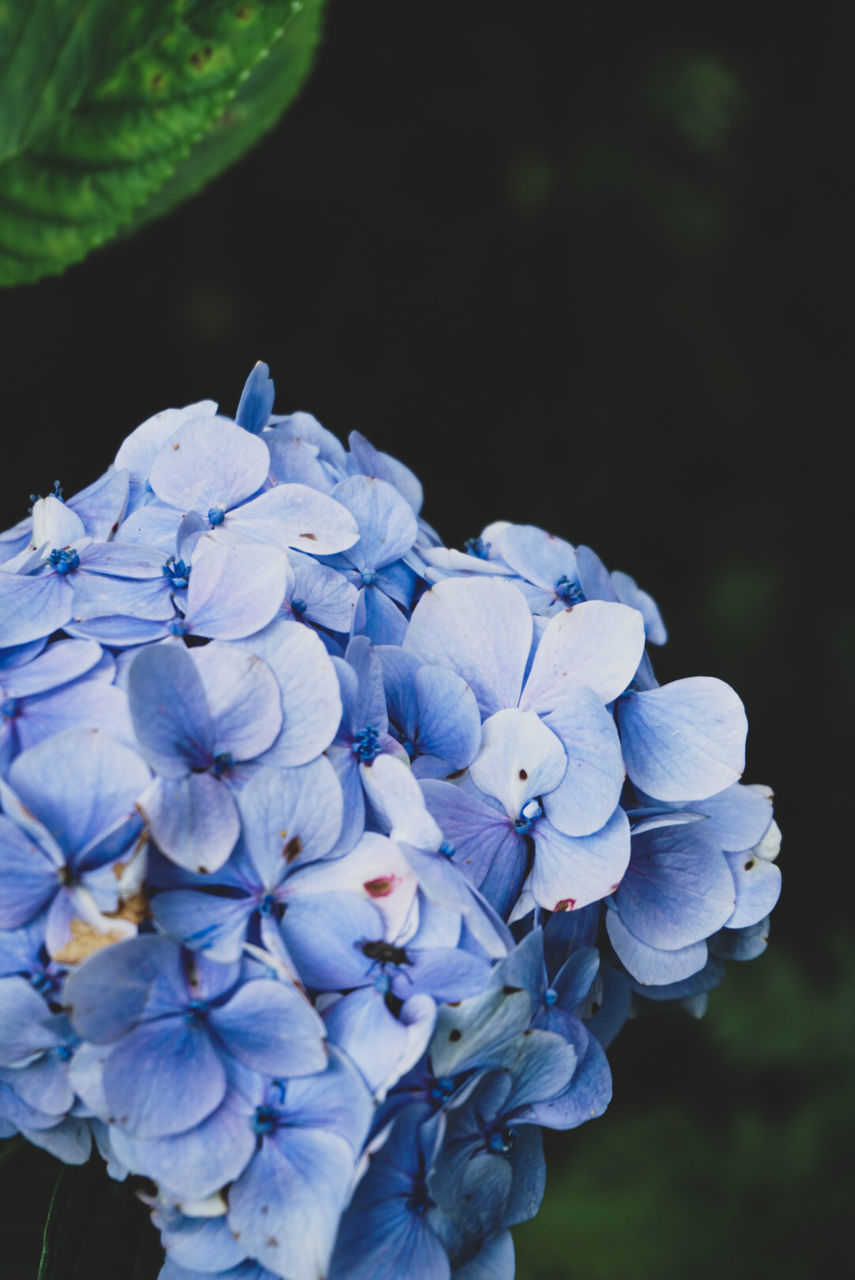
x=571, y=871
x=594, y=644
x=243, y=698
x=61, y=662
x=684, y=741
x=286, y=1205
x=194, y=820
x=209, y=463
x=387, y=525
x=79, y=784
x=590, y=789
x=678, y=888
x=293, y=515
x=28, y=875
x=536, y=555
x=371, y=462
x=449, y=725
x=270, y=1027
x=102, y=505
x=649, y=965
x=481, y=629
x=170, y=711
x=234, y=591
x=519, y=758
x=310, y=698
x=32, y=607
x=163, y=1077
x=290, y=817
x=758, y=887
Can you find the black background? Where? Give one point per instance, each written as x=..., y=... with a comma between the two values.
x=578, y=266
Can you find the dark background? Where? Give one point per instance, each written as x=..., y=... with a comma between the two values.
x=579, y=266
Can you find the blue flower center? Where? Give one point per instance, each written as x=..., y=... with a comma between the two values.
x=44, y=983
x=298, y=606
x=63, y=1052
x=265, y=1120
x=368, y=577
x=267, y=904
x=366, y=744
x=9, y=708
x=441, y=1089
x=550, y=996
x=177, y=627
x=216, y=515
x=568, y=589
x=64, y=560
x=447, y=849
x=529, y=815
x=502, y=1141
x=222, y=763
x=195, y=1013
x=409, y=747
x=477, y=547
x=177, y=572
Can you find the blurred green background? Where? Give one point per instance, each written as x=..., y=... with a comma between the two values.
x=580, y=266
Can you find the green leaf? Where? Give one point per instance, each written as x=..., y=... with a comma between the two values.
x=109, y=128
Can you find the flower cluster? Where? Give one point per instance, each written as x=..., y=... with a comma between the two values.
x=331, y=859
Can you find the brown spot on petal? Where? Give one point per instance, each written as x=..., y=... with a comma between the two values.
x=381, y=887
x=292, y=849
x=455, y=1035
x=523, y=775
x=565, y=904
x=310, y=536
x=749, y=864
x=176, y=446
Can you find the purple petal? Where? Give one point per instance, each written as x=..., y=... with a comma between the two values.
x=61, y=662
x=256, y=399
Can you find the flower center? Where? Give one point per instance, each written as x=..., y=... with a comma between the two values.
x=298, y=606
x=368, y=577
x=568, y=589
x=195, y=1013
x=64, y=560
x=265, y=1120
x=10, y=708
x=216, y=515
x=502, y=1141
x=177, y=572
x=366, y=744
x=477, y=547
x=528, y=816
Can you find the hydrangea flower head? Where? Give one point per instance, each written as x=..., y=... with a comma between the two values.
x=332, y=859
